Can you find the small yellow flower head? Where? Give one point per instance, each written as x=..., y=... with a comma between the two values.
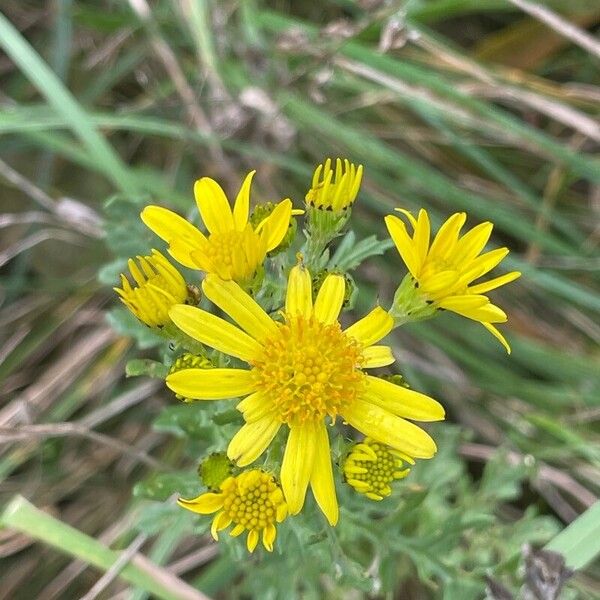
x=443, y=271
x=251, y=501
x=334, y=190
x=158, y=287
x=234, y=249
x=370, y=468
x=214, y=470
x=189, y=361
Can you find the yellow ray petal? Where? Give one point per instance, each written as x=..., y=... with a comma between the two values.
x=321, y=479
x=268, y=537
x=214, y=331
x=255, y=407
x=241, y=208
x=252, y=440
x=492, y=284
x=421, y=237
x=241, y=307
x=472, y=243
x=405, y=245
x=473, y=308
x=409, y=216
x=213, y=205
x=220, y=521
x=211, y=384
x=484, y=263
x=438, y=282
x=204, y=504
x=298, y=299
x=330, y=299
x=494, y=331
x=389, y=429
x=183, y=238
x=447, y=236
x=273, y=229
x=403, y=402
x=377, y=356
x=252, y=540
x=371, y=328
x=297, y=465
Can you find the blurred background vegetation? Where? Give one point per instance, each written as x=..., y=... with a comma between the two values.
x=487, y=106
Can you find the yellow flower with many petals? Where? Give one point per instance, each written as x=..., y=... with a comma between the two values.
x=445, y=269
x=371, y=467
x=252, y=501
x=301, y=371
x=159, y=286
x=233, y=249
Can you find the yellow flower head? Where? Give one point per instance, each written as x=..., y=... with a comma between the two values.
x=300, y=371
x=158, y=287
x=335, y=191
x=444, y=270
x=370, y=467
x=251, y=501
x=234, y=249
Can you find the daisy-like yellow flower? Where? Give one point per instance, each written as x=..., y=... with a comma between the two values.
x=335, y=190
x=234, y=249
x=371, y=467
x=300, y=371
x=445, y=269
x=251, y=501
x=158, y=287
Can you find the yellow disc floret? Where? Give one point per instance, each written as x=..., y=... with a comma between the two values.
x=371, y=467
x=158, y=287
x=309, y=369
x=251, y=501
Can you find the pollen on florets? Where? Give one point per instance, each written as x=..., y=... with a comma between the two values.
x=309, y=369
x=371, y=467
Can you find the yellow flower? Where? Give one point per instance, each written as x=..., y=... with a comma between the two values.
x=370, y=467
x=251, y=501
x=335, y=192
x=234, y=249
x=444, y=270
x=159, y=287
x=302, y=370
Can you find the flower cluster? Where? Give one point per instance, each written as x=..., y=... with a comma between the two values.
x=278, y=348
